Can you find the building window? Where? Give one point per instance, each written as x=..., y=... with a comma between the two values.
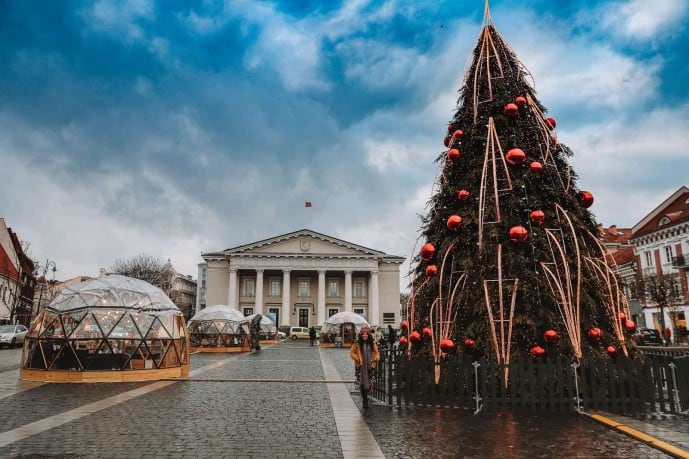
x=360, y=311
x=248, y=311
x=358, y=289
x=333, y=311
x=333, y=289
x=649, y=260
x=249, y=288
x=304, y=288
x=668, y=254
x=274, y=289
x=388, y=317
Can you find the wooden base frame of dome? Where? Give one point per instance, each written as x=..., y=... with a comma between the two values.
x=221, y=349
x=104, y=376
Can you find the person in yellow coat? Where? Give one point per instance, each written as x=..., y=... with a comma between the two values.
x=365, y=354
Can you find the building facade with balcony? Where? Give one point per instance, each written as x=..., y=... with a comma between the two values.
x=302, y=278
x=17, y=282
x=184, y=294
x=661, y=249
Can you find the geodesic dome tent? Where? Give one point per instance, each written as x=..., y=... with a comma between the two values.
x=104, y=324
x=341, y=328
x=219, y=328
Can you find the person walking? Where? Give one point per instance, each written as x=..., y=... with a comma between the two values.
x=312, y=335
x=379, y=336
x=365, y=354
x=392, y=336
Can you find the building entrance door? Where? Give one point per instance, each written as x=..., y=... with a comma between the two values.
x=303, y=317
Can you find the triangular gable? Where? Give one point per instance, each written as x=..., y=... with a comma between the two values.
x=303, y=241
x=678, y=202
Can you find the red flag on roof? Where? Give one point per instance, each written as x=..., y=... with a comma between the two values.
x=307, y=204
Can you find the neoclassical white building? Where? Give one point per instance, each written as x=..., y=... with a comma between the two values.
x=302, y=278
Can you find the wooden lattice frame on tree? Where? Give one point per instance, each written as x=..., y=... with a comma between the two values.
x=501, y=334
x=560, y=281
x=614, y=299
x=490, y=54
x=491, y=167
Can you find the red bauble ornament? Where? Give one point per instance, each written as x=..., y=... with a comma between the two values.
x=427, y=332
x=595, y=334
x=427, y=251
x=511, y=109
x=446, y=141
x=521, y=100
x=551, y=123
x=612, y=351
x=453, y=154
x=458, y=134
x=550, y=336
x=537, y=217
x=586, y=198
x=518, y=234
x=515, y=156
x=630, y=326
x=621, y=316
x=553, y=138
x=462, y=195
x=403, y=340
x=469, y=342
x=536, y=167
x=431, y=270
x=414, y=337
x=450, y=128
x=536, y=352
x=454, y=222
x=447, y=346
x=404, y=325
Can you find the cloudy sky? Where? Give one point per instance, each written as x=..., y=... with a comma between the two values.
x=175, y=127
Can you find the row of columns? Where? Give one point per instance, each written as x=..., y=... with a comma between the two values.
x=373, y=304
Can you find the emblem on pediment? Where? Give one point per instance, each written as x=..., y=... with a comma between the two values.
x=305, y=244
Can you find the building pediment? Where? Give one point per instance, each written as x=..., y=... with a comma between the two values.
x=302, y=243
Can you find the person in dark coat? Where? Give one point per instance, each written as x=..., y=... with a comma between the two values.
x=392, y=336
x=312, y=335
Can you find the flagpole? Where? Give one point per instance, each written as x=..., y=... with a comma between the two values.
x=307, y=205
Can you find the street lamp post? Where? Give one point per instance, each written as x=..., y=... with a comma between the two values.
x=43, y=270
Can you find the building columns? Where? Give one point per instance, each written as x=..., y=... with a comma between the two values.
x=374, y=306
x=321, y=297
x=232, y=292
x=348, y=291
x=258, y=309
x=285, y=297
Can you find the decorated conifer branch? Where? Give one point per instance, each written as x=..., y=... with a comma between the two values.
x=492, y=169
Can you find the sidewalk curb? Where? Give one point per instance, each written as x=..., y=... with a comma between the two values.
x=645, y=438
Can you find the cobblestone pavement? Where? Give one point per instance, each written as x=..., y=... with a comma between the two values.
x=220, y=413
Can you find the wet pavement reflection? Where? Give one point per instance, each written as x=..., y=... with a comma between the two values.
x=451, y=433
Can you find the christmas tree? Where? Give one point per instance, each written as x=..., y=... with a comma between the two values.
x=511, y=262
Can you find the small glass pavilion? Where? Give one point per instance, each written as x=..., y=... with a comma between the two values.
x=112, y=328
x=219, y=328
x=341, y=329
x=269, y=331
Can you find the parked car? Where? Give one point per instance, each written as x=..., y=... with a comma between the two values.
x=12, y=335
x=647, y=337
x=282, y=335
x=299, y=332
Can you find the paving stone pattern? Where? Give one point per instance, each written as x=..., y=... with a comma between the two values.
x=212, y=416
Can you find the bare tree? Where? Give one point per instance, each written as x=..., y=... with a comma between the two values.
x=664, y=291
x=148, y=268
